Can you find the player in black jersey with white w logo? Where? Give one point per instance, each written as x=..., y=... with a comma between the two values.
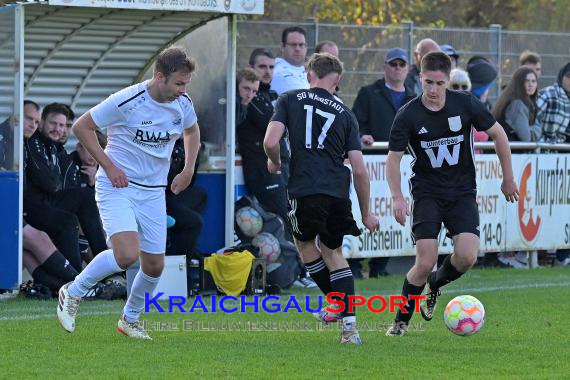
x=436, y=129
x=322, y=132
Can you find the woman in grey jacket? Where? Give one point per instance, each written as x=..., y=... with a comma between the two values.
x=516, y=107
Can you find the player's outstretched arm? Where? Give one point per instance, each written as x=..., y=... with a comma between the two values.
x=84, y=129
x=509, y=186
x=274, y=132
x=191, y=148
x=394, y=182
x=362, y=187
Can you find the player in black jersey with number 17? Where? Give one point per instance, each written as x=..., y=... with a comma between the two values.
x=322, y=133
x=436, y=129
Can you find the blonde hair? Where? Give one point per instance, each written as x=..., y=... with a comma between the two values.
x=459, y=78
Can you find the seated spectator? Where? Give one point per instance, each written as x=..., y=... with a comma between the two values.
x=482, y=74
x=45, y=202
x=66, y=132
x=46, y=264
x=186, y=208
x=78, y=168
x=62, y=227
x=515, y=108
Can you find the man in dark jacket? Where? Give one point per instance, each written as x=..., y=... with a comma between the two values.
x=46, y=203
x=376, y=104
x=375, y=108
x=269, y=189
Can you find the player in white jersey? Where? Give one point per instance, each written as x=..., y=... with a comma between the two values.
x=142, y=122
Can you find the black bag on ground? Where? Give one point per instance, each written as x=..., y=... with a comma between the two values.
x=288, y=271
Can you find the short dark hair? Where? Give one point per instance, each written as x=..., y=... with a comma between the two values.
x=258, y=52
x=322, y=44
x=323, y=64
x=70, y=111
x=291, y=29
x=57, y=108
x=36, y=105
x=172, y=60
x=436, y=61
x=528, y=56
x=247, y=73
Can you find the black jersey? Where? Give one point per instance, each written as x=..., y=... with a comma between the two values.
x=441, y=144
x=321, y=132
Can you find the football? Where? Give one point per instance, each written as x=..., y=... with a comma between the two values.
x=464, y=315
x=268, y=246
x=249, y=221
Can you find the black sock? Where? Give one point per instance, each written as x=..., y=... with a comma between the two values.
x=407, y=291
x=343, y=282
x=41, y=276
x=320, y=273
x=58, y=266
x=444, y=275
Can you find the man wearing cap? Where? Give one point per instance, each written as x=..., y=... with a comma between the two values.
x=451, y=53
x=375, y=108
x=376, y=104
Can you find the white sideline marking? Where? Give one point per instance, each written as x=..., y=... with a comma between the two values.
x=117, y=310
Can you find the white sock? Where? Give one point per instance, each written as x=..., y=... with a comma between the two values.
x=103, y=265
x=348, y=322
x=142, y=284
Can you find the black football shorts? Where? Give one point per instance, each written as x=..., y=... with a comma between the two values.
x=458, y=216
x=329, y=217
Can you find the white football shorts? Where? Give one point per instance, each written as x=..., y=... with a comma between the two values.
x=134, y=208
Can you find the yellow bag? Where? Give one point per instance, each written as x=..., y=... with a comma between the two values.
x=230, y=271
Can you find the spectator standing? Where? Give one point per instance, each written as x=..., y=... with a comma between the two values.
x=482, y=74
x=375, y=108
x=452, y=54
x=533, y=60
x=427, y=45
x=553, y=114
x=290, y=73
x=515, y=108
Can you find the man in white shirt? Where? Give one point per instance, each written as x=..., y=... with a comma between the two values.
x=290, y=73
x=143, y=122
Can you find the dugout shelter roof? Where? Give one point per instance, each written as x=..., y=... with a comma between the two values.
x=78, y=55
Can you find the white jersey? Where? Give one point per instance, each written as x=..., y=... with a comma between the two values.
x=288, y=77
x=141, y=133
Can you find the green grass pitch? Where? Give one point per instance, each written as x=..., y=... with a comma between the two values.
x=526, y=335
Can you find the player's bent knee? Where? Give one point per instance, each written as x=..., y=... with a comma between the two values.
x=126, y=259
x=464, y=262
x=152, y=265
x=424, y=267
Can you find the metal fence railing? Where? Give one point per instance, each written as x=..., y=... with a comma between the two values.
x=362, y=47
